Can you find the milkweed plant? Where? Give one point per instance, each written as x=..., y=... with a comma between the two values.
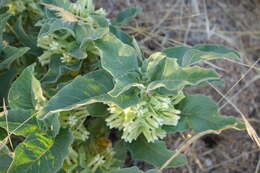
x=79, y=95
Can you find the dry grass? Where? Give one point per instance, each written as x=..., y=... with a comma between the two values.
x=235, y=23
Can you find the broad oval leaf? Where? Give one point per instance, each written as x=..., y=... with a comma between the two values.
x=154, y=153
x=200, y=113
x=125, y=15
x=191, y=55
x=10, y=55
x=90, y=89
x=81, y=91
x=5, y=159
x=166, y=73
x=41, y=154
x=26, y=92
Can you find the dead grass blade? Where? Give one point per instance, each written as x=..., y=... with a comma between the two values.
x=7, y=126
x=250, y=130
x=242, y=77
x=190, y=141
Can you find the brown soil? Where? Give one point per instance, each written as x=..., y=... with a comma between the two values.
x=235, y=23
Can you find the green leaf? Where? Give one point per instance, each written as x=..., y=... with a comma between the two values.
x=191, y=55
x=55, y=70
x=41, y=154
x=5, y=159
x=50, y=125
x=165, y=72
x=6, y=79
x=50, y=25
x=126, y=15
x=152, y=171
x=24, y=119
x=121, y=61
x=85, y=32
x=200, y=113
x=10, y=55
x=208, y=52
x=3, y=20
x=124, y=37
x=89, y=89
x=154, y=153
x=3, y=133
x=26, y=92
x=127, y=170
x=177, y=52
x=97, y=110
x=25, y=39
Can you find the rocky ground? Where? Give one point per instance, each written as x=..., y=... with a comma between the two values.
x=235, y=23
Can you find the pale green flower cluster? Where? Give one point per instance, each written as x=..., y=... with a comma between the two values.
x=53, y=44
x=147, y=117
x=75, y=119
